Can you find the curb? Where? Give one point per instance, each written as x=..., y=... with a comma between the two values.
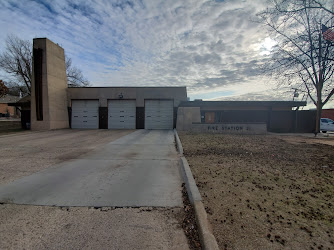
x=208, y=240
x=178, y=143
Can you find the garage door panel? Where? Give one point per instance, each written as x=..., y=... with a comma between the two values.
x=127, y=113
x=85, y=114
x=159, y=114
x=121, y=114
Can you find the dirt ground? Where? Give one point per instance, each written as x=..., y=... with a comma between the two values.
x=265, y=191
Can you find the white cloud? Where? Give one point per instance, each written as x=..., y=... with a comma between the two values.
x=208, y=46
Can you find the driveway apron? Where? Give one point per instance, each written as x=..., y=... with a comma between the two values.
x=139, y=169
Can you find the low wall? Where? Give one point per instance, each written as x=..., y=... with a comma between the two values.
x=9, y=125
x=230, y=128
x=186, y=116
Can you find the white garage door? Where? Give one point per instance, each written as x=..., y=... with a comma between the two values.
x=85, y=114
x=122, y=114
x=158, y=114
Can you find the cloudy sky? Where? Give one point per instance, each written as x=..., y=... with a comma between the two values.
x=210, y=46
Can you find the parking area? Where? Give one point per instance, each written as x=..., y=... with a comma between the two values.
x=136, y=170
x=63, y=170
x=25, y=153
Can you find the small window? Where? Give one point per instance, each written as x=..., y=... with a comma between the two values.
x=202, y=117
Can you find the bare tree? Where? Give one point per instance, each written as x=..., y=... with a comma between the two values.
x=16, y=61
x=3, y=89
x=74, y=75
x=302, y=56
x=301, y=6
x=16, y=89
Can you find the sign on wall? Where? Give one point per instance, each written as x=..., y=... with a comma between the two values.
x=259, y=128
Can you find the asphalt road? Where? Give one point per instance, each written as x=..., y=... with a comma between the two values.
x=137, y=170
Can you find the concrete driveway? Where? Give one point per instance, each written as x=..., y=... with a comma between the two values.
x=113, y=168
x=139, y=169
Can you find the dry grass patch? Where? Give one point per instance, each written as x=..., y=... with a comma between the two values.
x=262, y=192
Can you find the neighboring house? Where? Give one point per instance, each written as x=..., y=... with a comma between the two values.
x=327, y=113
x=23, y=105
x=5, y=109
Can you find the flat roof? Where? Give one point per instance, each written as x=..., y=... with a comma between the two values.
x=123, y=87
x=240, y=103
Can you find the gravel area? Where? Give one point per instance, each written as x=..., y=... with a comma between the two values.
x=189, y=223
x=37, y=227
x=265, y=191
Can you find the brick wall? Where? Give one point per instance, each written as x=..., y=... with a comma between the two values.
x=4, y=107
x=328, y=113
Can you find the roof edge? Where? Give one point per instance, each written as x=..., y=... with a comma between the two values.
x=98, y=87
x=241, y=103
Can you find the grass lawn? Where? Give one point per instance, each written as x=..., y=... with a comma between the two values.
x=264, y=192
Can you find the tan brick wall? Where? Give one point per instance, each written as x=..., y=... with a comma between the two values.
x=186, y=116
x=54, y=82
x=139, y=94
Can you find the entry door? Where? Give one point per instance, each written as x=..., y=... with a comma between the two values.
x=209, y=117
x=159, y=114
x=85, y=114
x=122, y=114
